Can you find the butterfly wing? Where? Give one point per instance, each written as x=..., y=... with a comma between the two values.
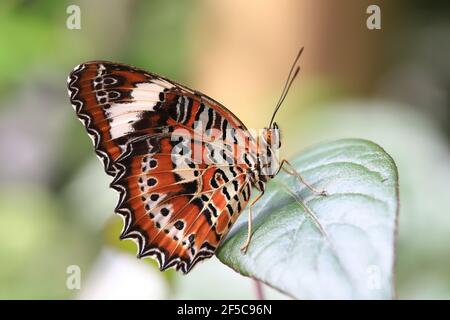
x=176, y=206
x=178, y=211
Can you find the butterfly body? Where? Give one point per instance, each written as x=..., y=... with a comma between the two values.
x=183, y=164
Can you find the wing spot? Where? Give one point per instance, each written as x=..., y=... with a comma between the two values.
x=165, y=212
x=109, y=81
x=153, y=163
x=179, y=225
x=151, y=182
x=154, y=197
x=113, y=95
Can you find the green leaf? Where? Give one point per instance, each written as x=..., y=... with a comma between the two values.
x=353, y=256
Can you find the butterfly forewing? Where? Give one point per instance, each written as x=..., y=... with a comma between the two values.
x=177, y=205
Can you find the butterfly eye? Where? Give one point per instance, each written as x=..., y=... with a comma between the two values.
x=276, y=138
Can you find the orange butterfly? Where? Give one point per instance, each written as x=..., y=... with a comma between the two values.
x=184, y=165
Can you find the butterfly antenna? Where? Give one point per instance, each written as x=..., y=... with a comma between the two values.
x=290, y=79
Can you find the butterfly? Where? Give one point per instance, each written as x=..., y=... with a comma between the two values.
x=177, y=204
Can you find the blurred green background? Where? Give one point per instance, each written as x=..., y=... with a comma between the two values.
x=390, y=85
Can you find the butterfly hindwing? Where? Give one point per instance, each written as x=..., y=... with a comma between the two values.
x=177, y=210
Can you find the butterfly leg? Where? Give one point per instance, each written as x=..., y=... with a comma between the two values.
x=249, y=224
x=291, y=170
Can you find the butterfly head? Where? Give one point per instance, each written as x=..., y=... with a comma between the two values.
x=272, y=136
x=269, y=145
